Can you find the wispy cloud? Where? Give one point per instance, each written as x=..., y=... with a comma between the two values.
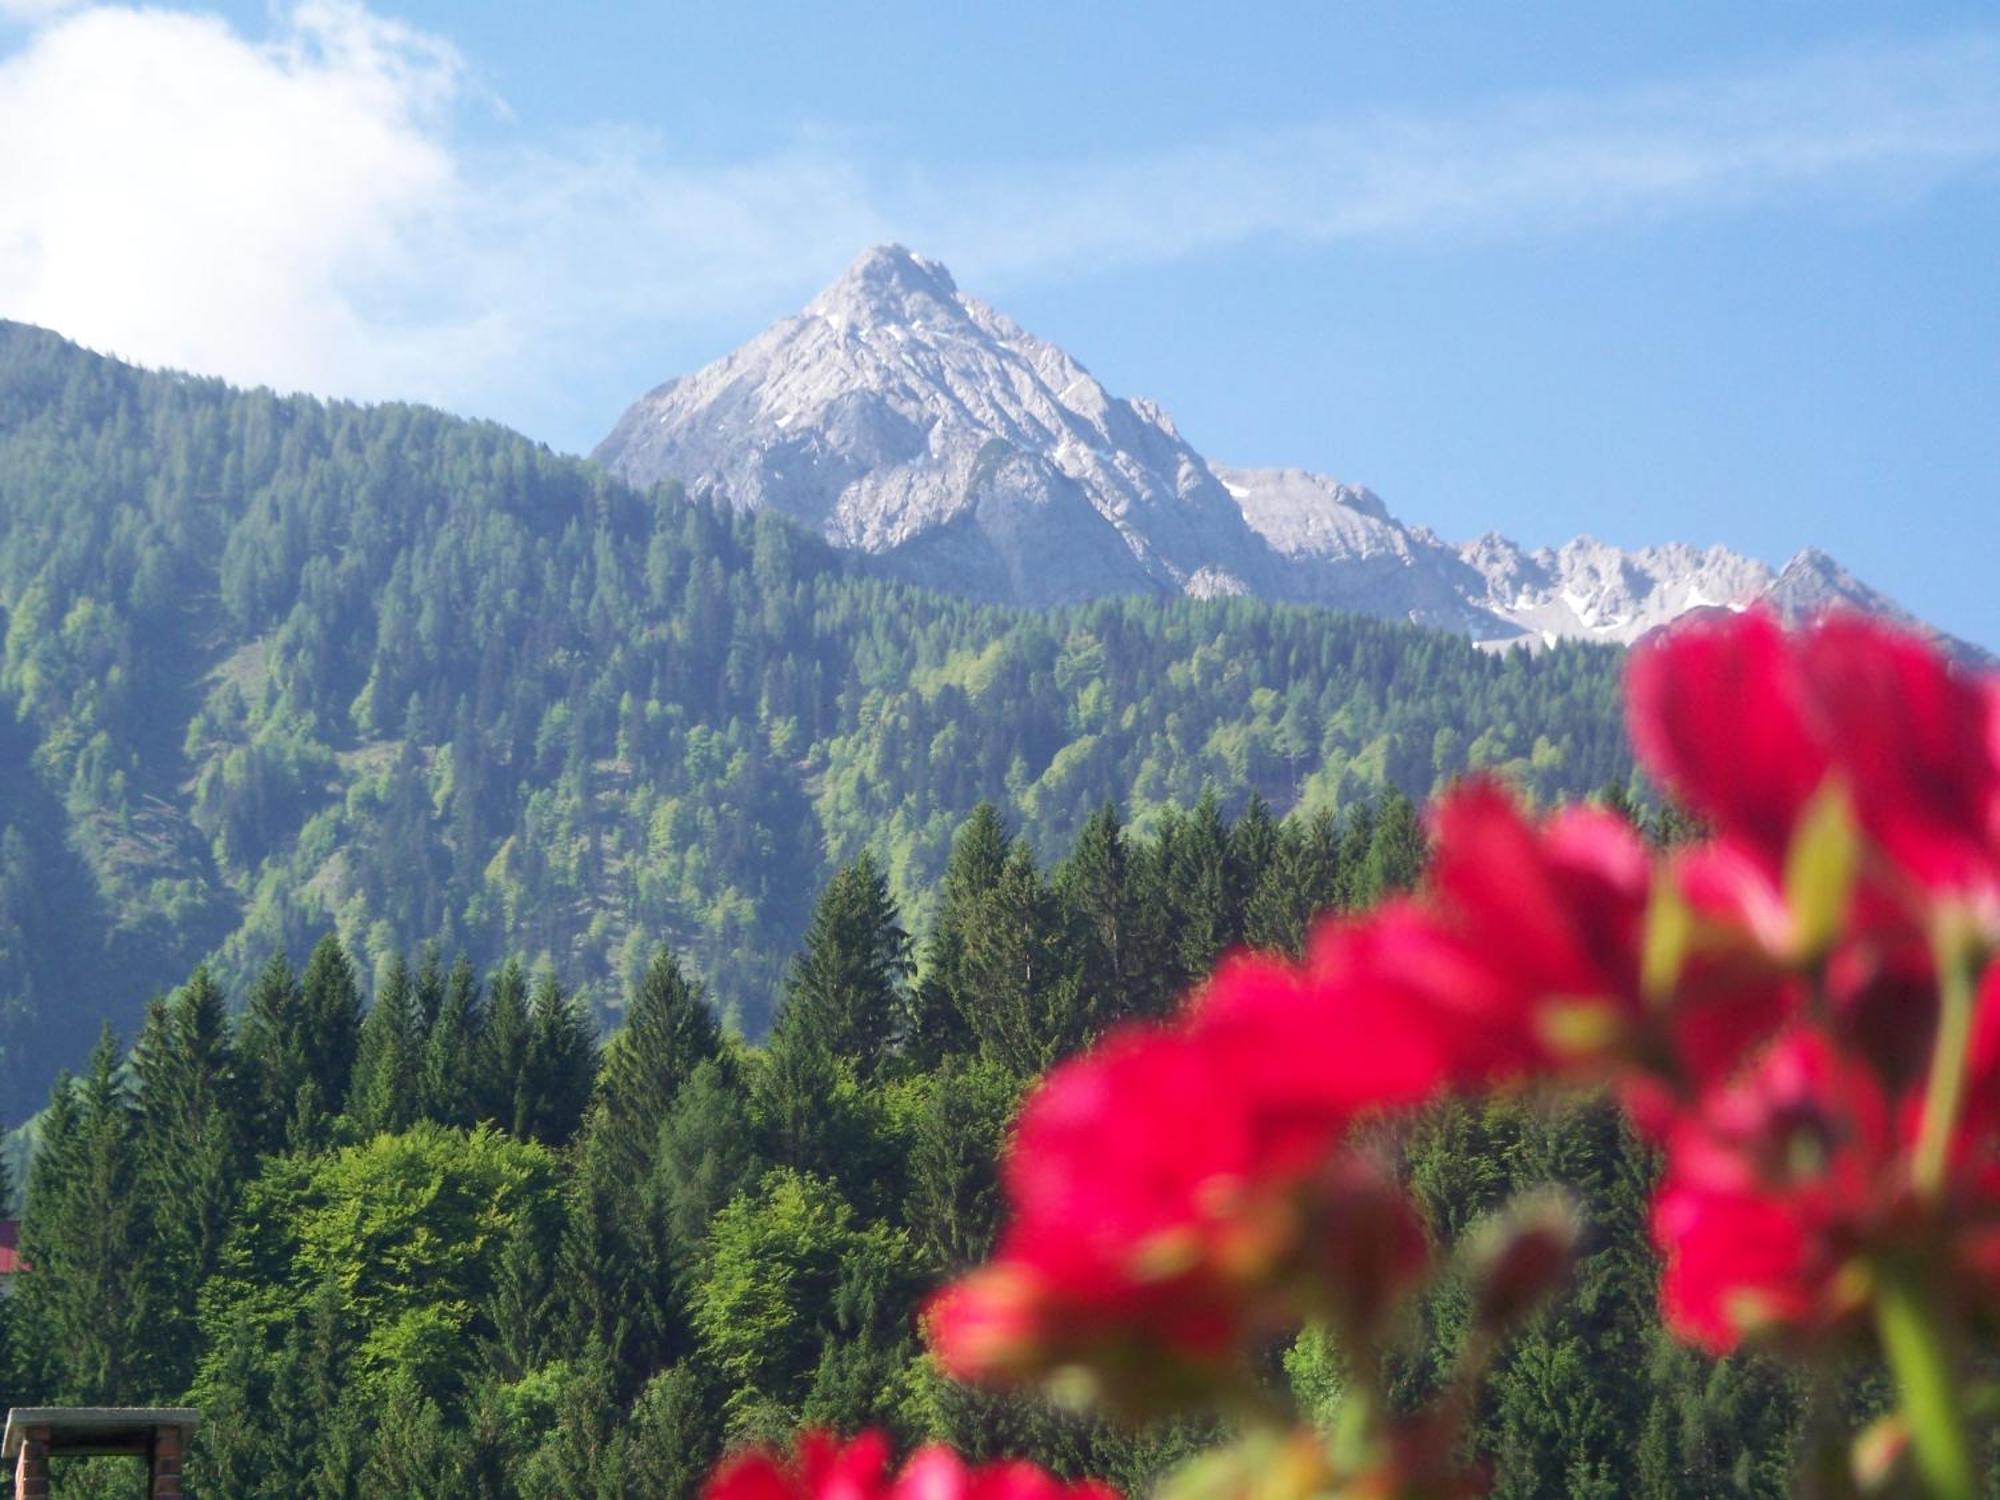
x=303, y=210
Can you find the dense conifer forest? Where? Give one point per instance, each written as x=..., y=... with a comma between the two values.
x=440, y=1242
x=274, y=666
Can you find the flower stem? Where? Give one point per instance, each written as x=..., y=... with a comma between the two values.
x=1914, y=1341
x=1944, y=1093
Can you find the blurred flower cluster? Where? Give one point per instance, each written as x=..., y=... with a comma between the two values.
x=1795, y=1009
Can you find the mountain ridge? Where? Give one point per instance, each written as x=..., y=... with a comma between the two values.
x=926, y=431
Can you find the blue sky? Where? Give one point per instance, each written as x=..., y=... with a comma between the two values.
x=1701, y=272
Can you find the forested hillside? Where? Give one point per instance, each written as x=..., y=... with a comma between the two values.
x=445, y=1246
x=275, y=666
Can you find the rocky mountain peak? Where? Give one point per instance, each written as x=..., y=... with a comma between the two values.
x=890, y=285
x=904, y=420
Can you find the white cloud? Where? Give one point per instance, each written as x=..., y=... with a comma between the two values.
x=303, y=211
x=170, y=191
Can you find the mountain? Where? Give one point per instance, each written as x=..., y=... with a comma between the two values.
x=898, y=417
x=272, y=666
x=905, y=421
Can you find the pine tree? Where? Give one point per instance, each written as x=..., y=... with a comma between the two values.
x=429, y=988
x=270, y=1043
x=91, y=1303
x=1301, y=882
x=1396, y=853
x=194, y=1145
x=669, y=1031
x=1253, y=845
x=523, y=1307
x=938, y=1025
x=503, y=1052
x=1206, y=909
x=953, y=1202
x=383, y=1096
x=299, y=1039
x=333, y=1016
x=557, y=1067
x=1116, y=940
x=1024, y=1005
x=449, y=1076
x=845, y=989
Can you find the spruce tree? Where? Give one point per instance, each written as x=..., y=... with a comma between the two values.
x=558, y=1066
x=1024, y=1005
x=449, y=1076
x=270, y=1042
x=195, y=1143
x=845, y=990
x=298, y=1039
x=707, y=1154
x=1397, y=851
x=669, y=1031
x=503, y=1051
x=429, y=987
x=953, y=1202
x=383, y=1096
x=1301, y=882
x=333, y=1017
x=938, y=1025
x=1201, y=884
x=1253, y=845
x=1117, y=940
x=91, y=1304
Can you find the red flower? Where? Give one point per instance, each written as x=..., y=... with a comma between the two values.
x=1745, y=723
x=1170, y=1189
x=1772, y=1187
x=824, y=1468
x=1719, y=714
x=1555, y=913
x=1915, y=739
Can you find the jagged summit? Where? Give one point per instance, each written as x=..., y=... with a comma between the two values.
x=898, y=416
x=907, y=421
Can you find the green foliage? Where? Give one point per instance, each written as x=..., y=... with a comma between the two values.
x=792, y=1280
x=273, y=666
x=90, y=1308
x=637, y=1254
x=409, y=1228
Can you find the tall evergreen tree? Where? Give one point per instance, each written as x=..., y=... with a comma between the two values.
x=1207, y=909
x=298, y=1039
x=1300, y=883
x=1396, y=853
x=270, y=1045
x=195, y=1141
x=448, y=1078
x=558, y=1067
x=707, y=1154
x=383, y=1095
x=503, y=1052
x=429, y=986
x=669, y=1031
x=1118, y=944
x=940, y=1000
x=1025, y=1006
x=91, y=1305
x=845, y=989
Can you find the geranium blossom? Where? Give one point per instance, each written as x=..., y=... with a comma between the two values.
x=824, y=1468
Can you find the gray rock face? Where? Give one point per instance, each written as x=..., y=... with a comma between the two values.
x=906, y=421
x=899, y=417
